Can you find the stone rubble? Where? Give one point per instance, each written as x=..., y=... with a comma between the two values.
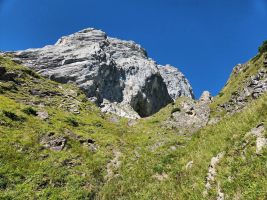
x=43, y=115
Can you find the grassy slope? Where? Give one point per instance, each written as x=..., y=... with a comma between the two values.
x=147, y=149
x=27, y=171
x=236, y=82
x=137, y=182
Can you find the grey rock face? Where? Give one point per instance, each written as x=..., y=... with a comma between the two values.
x=176, y=82
x=115, y=74
x=191, y=115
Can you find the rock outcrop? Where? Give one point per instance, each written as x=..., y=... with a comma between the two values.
x=191, y=115
x=261, y=141
x=53, y=142
x=211, y=177
x=116, y=74
x=254, y=87
x=176, y=82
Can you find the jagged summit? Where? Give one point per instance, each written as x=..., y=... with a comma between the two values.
x=116, y=74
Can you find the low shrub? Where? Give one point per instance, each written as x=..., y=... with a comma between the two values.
x=221, y=94
x=13, y=116
x=72, y=121
x=31, y=73
x=263, y=47
x=3, y=182
x=30, y=111
x=174, y=110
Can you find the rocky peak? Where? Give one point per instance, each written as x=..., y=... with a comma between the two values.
x=120, y=48
x=115, y=74
x=82, y=37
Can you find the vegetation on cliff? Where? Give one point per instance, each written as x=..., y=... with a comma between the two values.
x=54, y=144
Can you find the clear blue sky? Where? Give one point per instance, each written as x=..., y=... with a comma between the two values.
x=203, y=38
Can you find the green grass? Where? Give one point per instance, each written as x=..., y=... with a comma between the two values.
x=137, y=182
x=236, y=82
x=147, y=150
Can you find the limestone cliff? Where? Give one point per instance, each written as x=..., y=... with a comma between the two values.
x=117, y=75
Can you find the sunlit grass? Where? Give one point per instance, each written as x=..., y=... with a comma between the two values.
x=148, y=149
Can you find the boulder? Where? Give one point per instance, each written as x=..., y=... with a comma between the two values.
x=53, y=142
x=43, y=115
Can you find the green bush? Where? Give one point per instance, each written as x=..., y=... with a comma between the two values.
x=175, y=110
x=98, y=124
x=263, y=47
x=3, y=182
x=13, y=116
x=31, y=73
x=221, y=94
x=158, y=168
x=30, y=111
x=72, y=121
x=8, y=86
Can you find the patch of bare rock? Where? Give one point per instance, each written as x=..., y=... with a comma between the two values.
x=191, y=115
x=211, y=175
x=113, y=165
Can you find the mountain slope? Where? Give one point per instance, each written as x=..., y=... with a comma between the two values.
x=57, y=145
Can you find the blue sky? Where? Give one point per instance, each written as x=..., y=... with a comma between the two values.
x=203, y=38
